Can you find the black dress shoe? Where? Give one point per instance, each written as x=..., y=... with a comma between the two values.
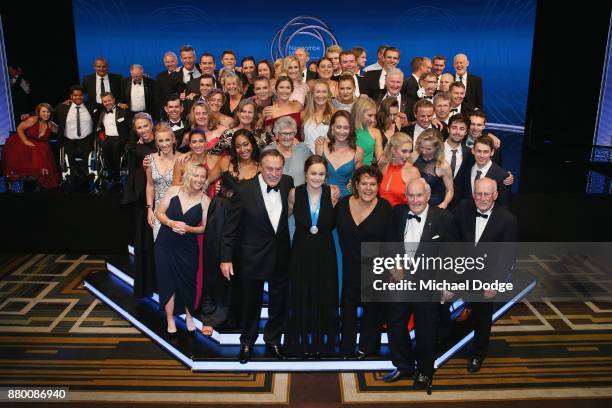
x=245, y=354
x=276, y=351
x=397, y=375
x=475, y=364
x=423, y=382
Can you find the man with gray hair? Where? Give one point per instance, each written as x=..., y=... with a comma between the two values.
x=472, y=83
x=138, y=92
x=414, y=224
x=168, y=81
x=394, y=83
x=303, y=56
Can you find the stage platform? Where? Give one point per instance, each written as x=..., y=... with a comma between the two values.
x=219, y=352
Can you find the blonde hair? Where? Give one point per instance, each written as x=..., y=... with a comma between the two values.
x=213, y=121
x=394, y=143
x=190, y=169
x=164, y=127
x=235, y=77
x=361, y=105
x=432, y=135
x=288, y=61
x=309, y=108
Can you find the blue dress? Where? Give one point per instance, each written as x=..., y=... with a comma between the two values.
x=176, y=258
x=427, y=168
x=340, y=176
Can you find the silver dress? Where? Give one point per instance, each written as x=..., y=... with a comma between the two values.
x=161, y=184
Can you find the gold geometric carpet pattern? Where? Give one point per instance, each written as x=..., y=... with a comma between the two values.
x=53, y=332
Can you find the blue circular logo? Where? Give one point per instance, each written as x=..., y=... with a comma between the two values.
x=307, y=32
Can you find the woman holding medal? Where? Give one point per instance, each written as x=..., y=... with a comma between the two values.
x=312, y=324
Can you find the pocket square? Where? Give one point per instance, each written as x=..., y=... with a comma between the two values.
x=120, y=119
x=435, y=237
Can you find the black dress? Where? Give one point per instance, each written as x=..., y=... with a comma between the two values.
x=372, y=229
x=312, y=325
x=135, y=196
x=218, y=307
x=177, y=258
x=427, y=168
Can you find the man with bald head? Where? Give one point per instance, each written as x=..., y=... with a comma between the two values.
x=413, y=224
x=481, y=219
x=445, y=82
x=472, y=83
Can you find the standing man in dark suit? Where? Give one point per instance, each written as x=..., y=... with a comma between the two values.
x=169, y=81
x=419, y=66
x=113, y=129
x=437, y=65
x=100, y=82
x=256, y=242
x=428, y=86
x=393, y=89
x=189, y=70
x=303, y=56
x=375, y=79
x=478, y=123
x=423, y=114
x=207, y=67
x=478, y=220
x=472, y=83
x=458, y=104
x=348, y=63
x=174, y=114
x=139, y=92
x=483, y=151
x=76, y=124
x=414, y=224
x=458, y=155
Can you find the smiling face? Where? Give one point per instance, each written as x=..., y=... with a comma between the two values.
x=230, y=86
x=246, y=115
x=215, y=101
x=477, y=125
x=263, y=70
x=272, y=170
x=228, y=61
x=200, y=116
x=457, y=95
x=438, y=66
x=442, y=108
x=346, y=91
x=144, y=129
x=341, y=129
x=391, y=58
x=325, y=69
x=101, y=67
x=198, y=177
x=188, y=59
x=315, y=175
x=320, y=94
x=423, y=115
x=261, y=89
x=293, y=70
x=429, y=84
x=402, y=154
x=248, y=69
x=348, y=62
x=108, y=102
x=283, y=90
x=367, y=188
x=418, y=196
x=482, y=154
x=197, y=143
x=164, y=141
x=76, y=97
x=461, y=63
x=44, y=113
x=394, y=83
x=285, y=137
x=207, y=65
x=427, y=149
x=174, y=109
x=485, y=193
x=170, y=63
x=335, y=59
x=206, y=84
x=457, y=131
x=244, y=148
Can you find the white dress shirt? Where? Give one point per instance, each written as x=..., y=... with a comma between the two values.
x=414, y=228
x=464, y=81
x=484, y=170
x=481, y=223
x=110, y=124
x=382, y=80
x=357, y=92
x=448, y=155
x=273, y=202
x=137, y=97
x=417, y=132
x=373, y=67
x=454, y=112
x=186, y=77
x=71, y=123
x=107, y=87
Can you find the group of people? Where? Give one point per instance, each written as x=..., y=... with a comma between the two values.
x=271, y=172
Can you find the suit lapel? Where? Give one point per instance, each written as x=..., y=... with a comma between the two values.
x=470, y=219
x=490, y=225
x=427, y=229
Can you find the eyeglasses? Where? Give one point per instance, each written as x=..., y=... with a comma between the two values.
x=287, y=134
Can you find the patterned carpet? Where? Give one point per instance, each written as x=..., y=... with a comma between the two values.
x=55, y=333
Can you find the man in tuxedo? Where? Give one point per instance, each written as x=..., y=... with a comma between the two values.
x=483, y=151
x=393, y=89
x=376, y=79
x=189, y=70
x=458, y=155
x=113, y=129
x=414, y=224
x=101, y=81
x=169, y=81
x=139, y=92
x=207, y=67
x=442, y=106
x=303, y=56
x=428, y=86
x=458, y=104
x=423, y=113
x=256, y=242
x=76, y=124
x=348, y=63
x=472, y=83
x=419, y=66
x=205, y=85
x=173, y=109
x=380, y=59
x=478, y=220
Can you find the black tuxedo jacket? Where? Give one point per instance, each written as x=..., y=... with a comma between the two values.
x=311, y=75
x=496, y=173
x=412, y=87
x=502, y=226
x=167, y=84
x=473, y=93
x=409, y=130
x=61, y=113
x=406, y=104
x=89, y=84
x=149, y=91
x=467, y=161
x=123, y=120
x=194, y=84
x=249, y=240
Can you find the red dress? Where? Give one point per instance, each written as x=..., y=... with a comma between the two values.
x=29, y=161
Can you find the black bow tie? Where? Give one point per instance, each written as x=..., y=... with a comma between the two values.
x=454, y=110
x=109, y=110
x=179, y=123
x=479, y=214
x=416, y=217
x=276, y=188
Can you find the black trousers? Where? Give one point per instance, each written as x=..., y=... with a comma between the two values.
x=370, y=327
x=482, y=312
x=425, y=326
x=78, y=155
x=252, y=296
x=112, y=150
